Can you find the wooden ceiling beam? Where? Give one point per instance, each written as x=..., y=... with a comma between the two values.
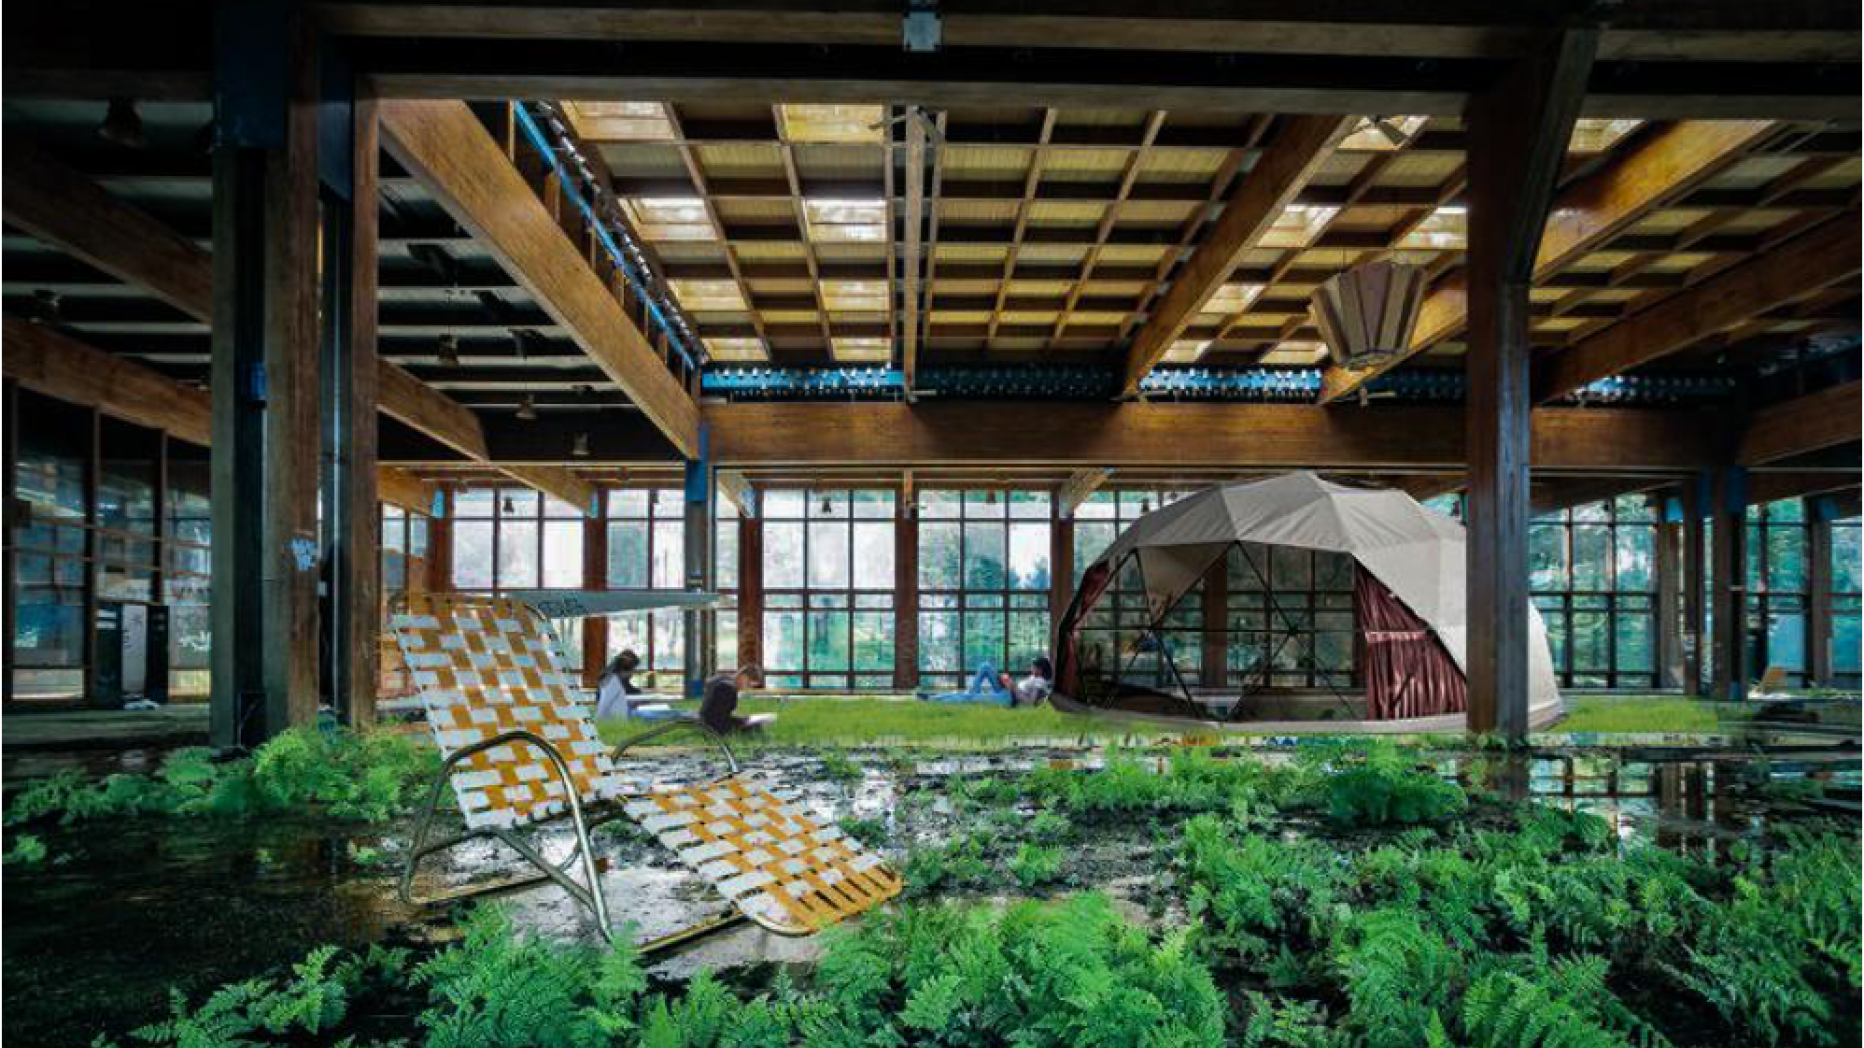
x=1813, y=422
x=444, y=145
x=48, y=361
x=1084, y=435
x=1297, y=150
x=1586, y=216
x=64, y=208
x=1801, y=267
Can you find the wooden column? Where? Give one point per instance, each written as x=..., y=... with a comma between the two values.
x=265, y=375
x=1216, y=639
x=1061, y=573
x=1695, y=499
x=1669, y=566
x=440, y=545
x=595, y=577
x=1818, y=594
x=750, y=591
x=350, y=444
x=1728, y=594
x=9, y=462
x=1518, y=133
x=906, y=599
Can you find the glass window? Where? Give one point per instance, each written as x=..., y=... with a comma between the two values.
x=828, y=587
x=984, y=581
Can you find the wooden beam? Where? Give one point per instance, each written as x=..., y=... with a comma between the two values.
x=912, y=263
x=398, y=487
x=1798, y=32
x=1773, y=485
x=47, y=361
x=733, y=488
x=1080, y=485
x=1810, y=423
x=1585, y=217
x=1518, y=134
x=444, y=145
x=1298, y=149
x=50, y=362
x=1228, y=436
x=1827, y=254
x=62, y=207
x=425, y=409
x=555, y=481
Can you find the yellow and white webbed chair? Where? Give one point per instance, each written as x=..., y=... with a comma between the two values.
x=521, y=751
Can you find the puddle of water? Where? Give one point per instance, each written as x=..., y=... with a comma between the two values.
x=94, y=939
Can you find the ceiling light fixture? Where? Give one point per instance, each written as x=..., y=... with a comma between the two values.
x=579, y=446
x=447, y=350
x=509, y=508
x=122, y=125
x=527, y=408
x=1366, y=314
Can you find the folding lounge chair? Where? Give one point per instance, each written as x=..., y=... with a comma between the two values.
x=522, y=751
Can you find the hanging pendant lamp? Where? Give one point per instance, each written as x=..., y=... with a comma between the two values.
x=1366, y=314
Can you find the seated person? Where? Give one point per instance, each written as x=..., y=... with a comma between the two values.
x=992, y=688
x=616, y=690
x=718, y=709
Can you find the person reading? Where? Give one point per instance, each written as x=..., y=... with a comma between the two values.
x=718, y=709
x=616, y=690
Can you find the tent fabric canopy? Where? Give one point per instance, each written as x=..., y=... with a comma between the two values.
x=1415, y=552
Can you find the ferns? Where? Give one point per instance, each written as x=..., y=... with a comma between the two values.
x=368, y=777
x=1564, y=1005
x=1035, y=865
x=1384, y=789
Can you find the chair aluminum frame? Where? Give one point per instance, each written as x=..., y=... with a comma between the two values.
x=588, y=892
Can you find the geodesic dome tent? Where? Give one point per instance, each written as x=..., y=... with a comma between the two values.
x=1395, y=565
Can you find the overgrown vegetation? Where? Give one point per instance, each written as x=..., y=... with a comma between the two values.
x=1062, y=974
x=366, y=776
x=1347, y=896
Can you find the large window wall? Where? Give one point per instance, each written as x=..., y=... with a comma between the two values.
x=1593, y=572
x=646, y=532
x=1778, y=544
x=514, y=538
x=829, y=588
x=984, y=582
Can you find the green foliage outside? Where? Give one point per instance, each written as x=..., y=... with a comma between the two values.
x=367, y=777
x=26, y=850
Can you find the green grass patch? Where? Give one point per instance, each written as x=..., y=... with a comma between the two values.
x=1648, y=714
x=906, y=722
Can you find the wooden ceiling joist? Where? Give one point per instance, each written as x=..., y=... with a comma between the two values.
x=1585, y=217
x=67, y=210
x=48, y=361
x=1297, y=150
x=735, y=489
x=444, y=145
x=1798, y=268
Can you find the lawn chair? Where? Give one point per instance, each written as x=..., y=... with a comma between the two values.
x=521, y=751
x=1772, y=682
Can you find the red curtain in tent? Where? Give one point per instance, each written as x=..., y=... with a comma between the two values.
x=1068, y=656
x=1408, y=673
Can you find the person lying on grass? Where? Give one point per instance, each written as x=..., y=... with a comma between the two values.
x=989, y=686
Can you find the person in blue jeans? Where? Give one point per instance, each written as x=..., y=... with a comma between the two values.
x=989, y=687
